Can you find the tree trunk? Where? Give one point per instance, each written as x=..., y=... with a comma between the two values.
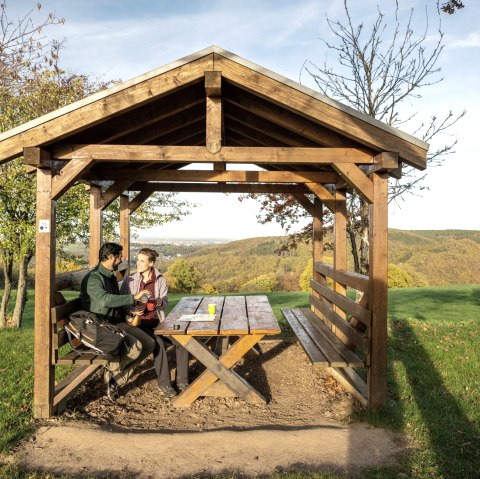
x=353, y=244
x=7, y=266
x=21, y=292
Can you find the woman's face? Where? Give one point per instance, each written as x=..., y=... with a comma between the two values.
x=143, y=263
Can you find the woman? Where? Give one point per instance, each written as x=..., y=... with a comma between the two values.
x=147, y=277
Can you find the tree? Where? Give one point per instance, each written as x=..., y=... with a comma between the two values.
x=451, y=6
x=33, y=84
x=183, y=276
x=378, y=71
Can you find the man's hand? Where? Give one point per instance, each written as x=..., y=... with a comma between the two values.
x=141, y=293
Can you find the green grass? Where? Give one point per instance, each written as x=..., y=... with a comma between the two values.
x=433, y=375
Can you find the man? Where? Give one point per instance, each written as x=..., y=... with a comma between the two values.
x=100, y=294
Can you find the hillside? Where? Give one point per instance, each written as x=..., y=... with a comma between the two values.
x=418, y=257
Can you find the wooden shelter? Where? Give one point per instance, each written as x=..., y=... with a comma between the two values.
x=214, y=107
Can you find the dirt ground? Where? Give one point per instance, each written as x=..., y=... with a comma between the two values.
x=302, y=427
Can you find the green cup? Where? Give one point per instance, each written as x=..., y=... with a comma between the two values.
x=212, y=308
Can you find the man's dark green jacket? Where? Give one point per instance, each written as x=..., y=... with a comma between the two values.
x=99, y=294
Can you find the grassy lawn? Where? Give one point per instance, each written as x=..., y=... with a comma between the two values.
x=434, y=382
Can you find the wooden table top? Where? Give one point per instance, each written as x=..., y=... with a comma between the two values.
x=236, y=315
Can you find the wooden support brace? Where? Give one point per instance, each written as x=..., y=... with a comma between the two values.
x=305, y=202
x=323, y=194
x=139, y=200
x=356, y=178
x=110, y=195
x=70, y=173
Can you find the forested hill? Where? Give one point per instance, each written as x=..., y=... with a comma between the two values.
x=416, y=258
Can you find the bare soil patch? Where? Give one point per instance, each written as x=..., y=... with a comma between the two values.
x=302, y=427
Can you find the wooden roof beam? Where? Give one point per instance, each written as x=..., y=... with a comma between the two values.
x=333, y=117
x=219, y=176
x=200, y=154
x=220, y=188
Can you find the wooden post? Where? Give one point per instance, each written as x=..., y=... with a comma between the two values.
x=44, y=295
x=377, y=370
x=96, y=218
x=340, y=247
x=125, y=227
x=213, y=84
x=317, y=239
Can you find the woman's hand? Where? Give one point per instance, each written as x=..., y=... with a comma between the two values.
x=143, y=292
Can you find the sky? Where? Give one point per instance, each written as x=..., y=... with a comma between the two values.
x=123, y=39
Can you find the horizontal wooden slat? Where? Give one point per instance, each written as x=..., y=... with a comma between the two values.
x=340, y=323
x=308, y=345
x=261, y=318
x=200, y=154
x=320, y=339
x=351, y=307
x=352, y=382
x=63, y=311
x=348, y=278
x=220, y=188
x=152, y=174
x=347, y=354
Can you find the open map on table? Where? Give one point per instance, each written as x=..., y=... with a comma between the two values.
x=197, y=317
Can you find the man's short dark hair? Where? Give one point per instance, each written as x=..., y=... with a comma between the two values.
x=109, y=248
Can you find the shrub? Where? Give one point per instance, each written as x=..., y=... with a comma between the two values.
x=264, y=283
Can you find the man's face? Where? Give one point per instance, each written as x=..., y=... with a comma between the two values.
x=117, y=260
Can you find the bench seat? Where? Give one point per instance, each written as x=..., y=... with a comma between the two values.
x=322, y=346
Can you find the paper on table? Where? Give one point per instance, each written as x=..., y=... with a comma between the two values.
x=197, y=317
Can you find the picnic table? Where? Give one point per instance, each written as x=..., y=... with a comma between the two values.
x=247, y=318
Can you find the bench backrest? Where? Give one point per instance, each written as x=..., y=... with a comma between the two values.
x=59, y=316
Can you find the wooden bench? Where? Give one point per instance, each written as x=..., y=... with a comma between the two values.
x=322, y=346
x=326, y=350
x=87, y=362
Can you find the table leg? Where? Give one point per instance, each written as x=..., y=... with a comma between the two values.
x=219, y=368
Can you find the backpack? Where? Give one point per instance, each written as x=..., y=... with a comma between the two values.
x=98, y=335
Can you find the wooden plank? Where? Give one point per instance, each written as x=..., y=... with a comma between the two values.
x=125, y=227
x=200, y=154
x=207, y=328
x=234, y=316
x=187, y=305
x=357, y=179
x=63, y=311
x=319, y=339
x=69, y=358
x=347, y=354
x=71, y=383
x=219, y=389
x=220, y=188
x=352, y=382
x=340, y=249
x=323, y=194
x=231, y=379
x=353, y=308
x=378, y=273
x=308, y=345
x=305, y=202
x=286, y=119
x=95, y=225
x=213, y=128
x=44, y=297
x=351, y=333
x=207, y=378
x=213, y=83
x=139, y=200
x=349, y=278
x=69, y=174
x=321, y=112
x=155, y=174
x=84, y=113
x=260, y=315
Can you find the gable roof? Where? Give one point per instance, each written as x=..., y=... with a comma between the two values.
x=167, y=106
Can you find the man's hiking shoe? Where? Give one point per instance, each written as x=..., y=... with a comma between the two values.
x=167, y=390
x=112, y=390
x=182, y=386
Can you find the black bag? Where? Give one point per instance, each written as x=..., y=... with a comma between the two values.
x=95, y=333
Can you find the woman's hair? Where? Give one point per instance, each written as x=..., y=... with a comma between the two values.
x=151, y=254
